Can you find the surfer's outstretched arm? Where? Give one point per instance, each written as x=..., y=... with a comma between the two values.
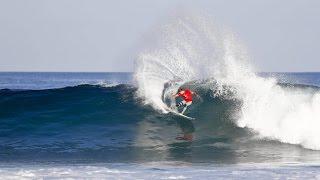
x=194, y=93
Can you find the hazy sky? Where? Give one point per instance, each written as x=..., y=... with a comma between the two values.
x=101, y=35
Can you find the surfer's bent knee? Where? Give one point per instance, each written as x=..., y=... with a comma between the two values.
x=188, y=103
x=182, y=103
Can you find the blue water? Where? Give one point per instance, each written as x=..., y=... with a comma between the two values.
x=307, y=78
x=94, y=122
x=50, y=80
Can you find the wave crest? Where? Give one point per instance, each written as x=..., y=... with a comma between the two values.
x=192, y=48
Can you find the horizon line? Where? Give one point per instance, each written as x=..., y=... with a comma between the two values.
x=133, y=72
x=65, y=72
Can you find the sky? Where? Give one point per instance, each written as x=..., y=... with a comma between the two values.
x=102, y=35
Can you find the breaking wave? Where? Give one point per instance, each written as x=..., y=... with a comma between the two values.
x=191, y=48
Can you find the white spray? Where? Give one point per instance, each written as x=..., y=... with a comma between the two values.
x=191, y=48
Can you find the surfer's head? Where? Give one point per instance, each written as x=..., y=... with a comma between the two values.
x=180, y=89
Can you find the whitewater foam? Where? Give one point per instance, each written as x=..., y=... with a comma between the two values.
x=158, y=171
x=192, y=48
x=182, y=50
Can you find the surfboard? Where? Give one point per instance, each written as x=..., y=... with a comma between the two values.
x=179, y=114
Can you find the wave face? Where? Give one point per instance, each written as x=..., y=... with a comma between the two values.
x=75, y=121
x=96, y=123
x=90, y=123
x=105, y=124
x=191, y=48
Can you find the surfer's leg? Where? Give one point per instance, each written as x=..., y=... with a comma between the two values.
x=181, y=103
x=186, y=106
x=184, y=109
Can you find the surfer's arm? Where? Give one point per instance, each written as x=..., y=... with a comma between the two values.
x=175, y=95
x=194, y=93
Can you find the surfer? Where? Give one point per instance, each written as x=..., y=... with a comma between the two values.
x=186, y=95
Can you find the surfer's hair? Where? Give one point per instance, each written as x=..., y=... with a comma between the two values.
x=180, y=89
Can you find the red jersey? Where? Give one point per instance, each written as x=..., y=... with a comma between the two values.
x=186, y=95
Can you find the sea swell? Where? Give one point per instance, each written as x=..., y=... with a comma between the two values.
x=98, y=123
x=90, y=123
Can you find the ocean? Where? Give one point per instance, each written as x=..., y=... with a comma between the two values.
x=247, y=125
x=98, y=126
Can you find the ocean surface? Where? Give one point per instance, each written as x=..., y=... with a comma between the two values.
x=97, y=126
